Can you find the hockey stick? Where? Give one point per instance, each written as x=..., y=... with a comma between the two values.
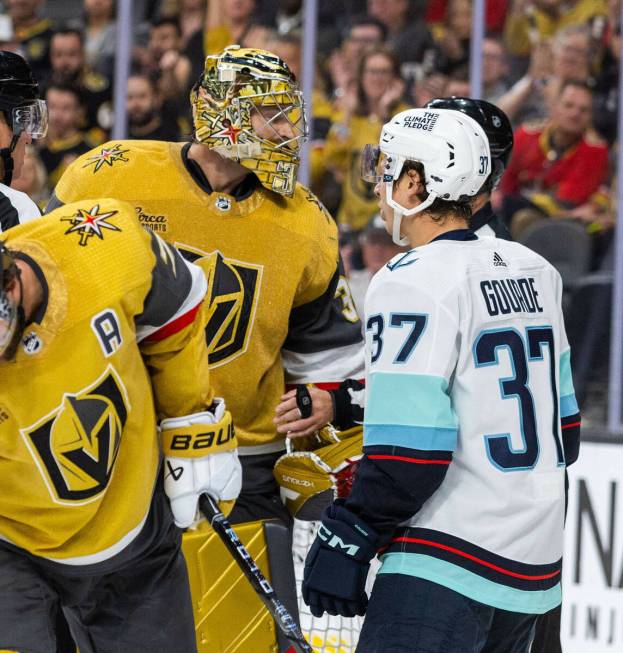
x=263, y=588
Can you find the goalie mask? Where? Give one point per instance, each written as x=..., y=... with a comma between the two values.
x=247, y=107
x=20, y=104
x=11, y=312
x=452, y=147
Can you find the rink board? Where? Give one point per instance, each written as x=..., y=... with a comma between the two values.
x=592, y=618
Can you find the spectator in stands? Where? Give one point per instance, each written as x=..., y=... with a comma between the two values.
x=377, y=248
x=231, y=21
x=556, y=166
x=533, y=96
x=32, y=32
x=457, y=84
x=190, y=15
x=376, y=97
x=452, y=38
x=99, y=28
x=364, y=33
x=145, y=118
x=289, y=18
x=69, y=67
x=288, y=48
x=33, y=179
x=166, y=60
x=606, y=99
x=407, y=36
x=65, y=141
x=430, y=85
x=494, y=69
x=535, y=21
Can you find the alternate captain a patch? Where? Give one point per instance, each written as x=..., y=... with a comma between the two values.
x=88, y=223
x=76, y=445
x=107, y=156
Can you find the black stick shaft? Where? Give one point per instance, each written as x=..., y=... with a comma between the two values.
x=286, y=622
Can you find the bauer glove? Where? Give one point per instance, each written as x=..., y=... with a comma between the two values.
x=200, y=457
x=337, y=564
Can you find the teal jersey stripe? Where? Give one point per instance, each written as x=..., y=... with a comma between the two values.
x=471, y=585
x=568, y=406
x=409, y=400
x=412, y=437
x=566, y=380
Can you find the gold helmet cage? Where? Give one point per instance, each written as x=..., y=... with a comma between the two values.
x=243, y=91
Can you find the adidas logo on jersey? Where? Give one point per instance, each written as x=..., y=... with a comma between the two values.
x=498, y=261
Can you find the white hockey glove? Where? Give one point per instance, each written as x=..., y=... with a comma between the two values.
x=200, y=457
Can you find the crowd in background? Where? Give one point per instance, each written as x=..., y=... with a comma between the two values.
x=551, y=65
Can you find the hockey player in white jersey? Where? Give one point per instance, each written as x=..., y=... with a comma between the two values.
x=470, y=418
x=23, y=118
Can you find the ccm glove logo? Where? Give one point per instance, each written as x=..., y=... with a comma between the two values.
x=336, y=542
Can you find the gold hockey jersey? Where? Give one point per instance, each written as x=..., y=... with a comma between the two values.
x=80, y=453
x=271, y=264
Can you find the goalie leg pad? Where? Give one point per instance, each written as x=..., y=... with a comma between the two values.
x=229, y=616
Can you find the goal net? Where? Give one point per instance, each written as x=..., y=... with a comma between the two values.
x=326, y=634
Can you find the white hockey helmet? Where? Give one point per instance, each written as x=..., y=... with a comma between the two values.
x=452, y=147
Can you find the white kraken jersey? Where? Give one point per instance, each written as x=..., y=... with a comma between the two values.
x=466, y=352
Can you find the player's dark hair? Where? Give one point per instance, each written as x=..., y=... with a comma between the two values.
x=440, y=210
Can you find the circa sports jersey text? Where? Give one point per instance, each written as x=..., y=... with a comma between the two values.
x=504, y=296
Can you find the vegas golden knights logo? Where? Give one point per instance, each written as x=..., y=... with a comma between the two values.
x=233, y=291
x=75, y=446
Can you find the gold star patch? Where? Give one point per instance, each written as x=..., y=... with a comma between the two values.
x=90, y=223
x=107, y=156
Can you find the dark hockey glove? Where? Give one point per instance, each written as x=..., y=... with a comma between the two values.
x=337, y=564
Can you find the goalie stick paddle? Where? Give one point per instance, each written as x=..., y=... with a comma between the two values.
x=286, y=622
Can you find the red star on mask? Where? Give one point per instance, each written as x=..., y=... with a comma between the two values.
x=230, y=132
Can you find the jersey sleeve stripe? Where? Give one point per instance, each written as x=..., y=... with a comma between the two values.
x=566, y=379
x=507, y=572
x=410, y=437
x=572, y=425
x=406, y=459
x=428, y=404
x=568, y=406
x=331, y=364
x=323, y=385
x=192, y=302
x=472, y=584
x=174, y=326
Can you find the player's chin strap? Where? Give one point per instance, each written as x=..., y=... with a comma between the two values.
x=400, y=212
x=6, y=154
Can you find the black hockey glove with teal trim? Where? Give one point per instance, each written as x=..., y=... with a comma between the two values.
x=337, y=564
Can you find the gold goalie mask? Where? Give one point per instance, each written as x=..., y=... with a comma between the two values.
x=247, y=106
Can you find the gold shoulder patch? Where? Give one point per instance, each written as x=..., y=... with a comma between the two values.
x=310, y=198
